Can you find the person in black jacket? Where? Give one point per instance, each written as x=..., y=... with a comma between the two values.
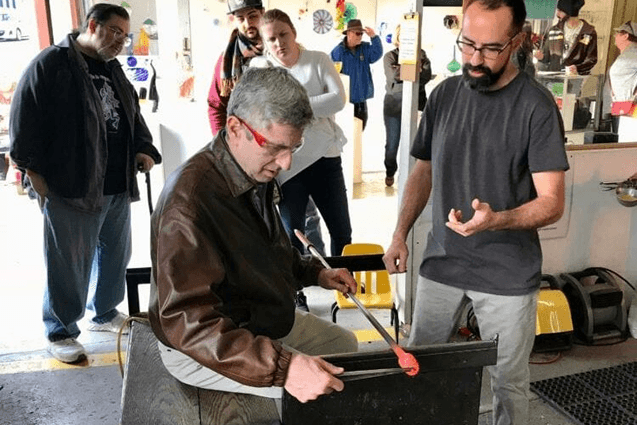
x=392, y=104
x=77, y=132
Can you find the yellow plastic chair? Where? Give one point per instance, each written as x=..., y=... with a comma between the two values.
x=374, y=289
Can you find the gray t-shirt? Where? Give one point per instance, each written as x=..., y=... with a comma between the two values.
x=485, y=146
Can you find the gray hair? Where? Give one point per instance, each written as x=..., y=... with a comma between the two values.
x=267, y=96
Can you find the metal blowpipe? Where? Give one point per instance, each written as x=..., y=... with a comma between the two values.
x=406, y=360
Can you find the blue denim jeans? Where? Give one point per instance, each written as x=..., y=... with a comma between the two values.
x=392, y=140
x=324, y=181
x=84, y=250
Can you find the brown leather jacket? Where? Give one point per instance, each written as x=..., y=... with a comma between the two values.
x=583, y=55
x=223, y=279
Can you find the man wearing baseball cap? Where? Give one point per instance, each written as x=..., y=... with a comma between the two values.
x=356, y=55
x=244, y=44
x=571, y=44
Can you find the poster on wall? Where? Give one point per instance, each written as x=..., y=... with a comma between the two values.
x=408, y=54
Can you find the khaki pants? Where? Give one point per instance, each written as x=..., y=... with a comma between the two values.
x=511, y=318
x=309, y=335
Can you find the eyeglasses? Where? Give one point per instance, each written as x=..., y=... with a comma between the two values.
x=273, y=148
x=119, y=34
x=487, y=52
x=358, y=33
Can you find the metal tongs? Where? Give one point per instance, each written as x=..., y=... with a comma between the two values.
x=608, y=186
x=355, y=375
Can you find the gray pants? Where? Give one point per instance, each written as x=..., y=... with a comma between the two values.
x=309, y=335
x=512, y=318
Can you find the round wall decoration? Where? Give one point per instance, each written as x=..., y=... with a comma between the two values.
x=323, y=21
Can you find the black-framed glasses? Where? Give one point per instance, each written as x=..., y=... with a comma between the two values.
x=273, y=148
x=119, y=34
x=487, y=52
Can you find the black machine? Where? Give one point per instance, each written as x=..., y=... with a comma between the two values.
x=446, y=391
x=597, y=305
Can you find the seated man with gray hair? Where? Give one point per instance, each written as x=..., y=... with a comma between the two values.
x=224, y=271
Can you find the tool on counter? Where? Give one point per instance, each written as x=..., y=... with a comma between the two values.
x=407, y=361
x=626, y=191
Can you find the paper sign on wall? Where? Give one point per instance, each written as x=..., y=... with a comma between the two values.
x=408, y=54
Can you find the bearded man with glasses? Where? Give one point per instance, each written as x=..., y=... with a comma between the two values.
x=225, y=274
x=78, y=133
x=490, y=153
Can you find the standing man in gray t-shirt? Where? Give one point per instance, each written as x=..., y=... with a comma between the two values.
x=490, y=145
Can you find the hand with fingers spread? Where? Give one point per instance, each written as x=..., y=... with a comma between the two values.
x=483, y=219
x=310, y=377
x=338, y=279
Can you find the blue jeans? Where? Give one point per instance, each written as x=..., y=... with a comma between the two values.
x=324, y=181
x=392, y=140
x=84, y=250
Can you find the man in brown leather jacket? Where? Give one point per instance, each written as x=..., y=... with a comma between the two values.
x=224, y=270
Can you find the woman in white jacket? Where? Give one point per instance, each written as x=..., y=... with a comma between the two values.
x=316, y=168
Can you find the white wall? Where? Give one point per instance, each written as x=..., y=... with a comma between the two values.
x=601, y=232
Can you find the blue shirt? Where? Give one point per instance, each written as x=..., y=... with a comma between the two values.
x=356, y=65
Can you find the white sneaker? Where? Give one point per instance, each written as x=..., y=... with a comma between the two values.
x=112, y=326
x=67, y=350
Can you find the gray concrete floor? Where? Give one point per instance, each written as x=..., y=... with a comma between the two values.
x=35, y=389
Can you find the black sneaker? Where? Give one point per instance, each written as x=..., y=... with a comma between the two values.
x=301, y=301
